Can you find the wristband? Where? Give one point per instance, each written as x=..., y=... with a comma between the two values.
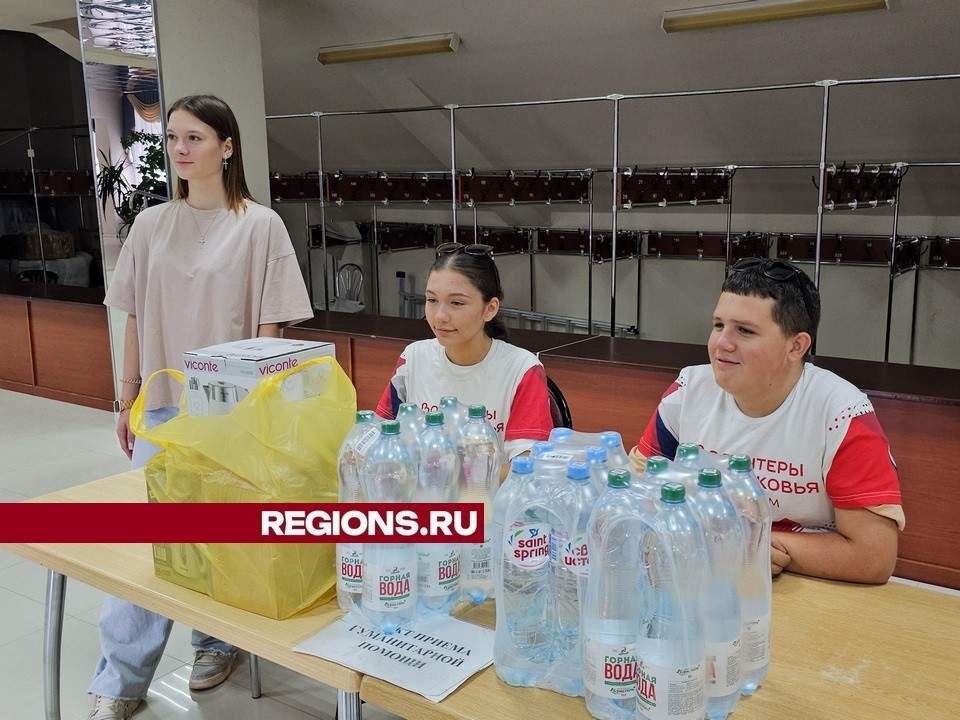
x=119, y=405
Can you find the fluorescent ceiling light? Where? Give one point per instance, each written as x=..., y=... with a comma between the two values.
x=758, y=11
x=401, y=47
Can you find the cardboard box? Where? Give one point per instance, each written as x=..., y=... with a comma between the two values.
x=220, y=376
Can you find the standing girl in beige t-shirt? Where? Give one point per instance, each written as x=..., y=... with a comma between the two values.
x=211, y=266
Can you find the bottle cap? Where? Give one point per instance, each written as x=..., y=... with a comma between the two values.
x=740, y=463
x=560, y=434
x=595, y=453
x=656, y=464
x=448, y=400
x=541, y=447
x=578, y=470
x=477, y=411
x=672, y=493
x=618, y=478
x=389, y=427
x=688, y=451
x=709, y=478
x=434, y=418
x=407, y=409
x=365, y=416
x=522, y=465
x=610, y=438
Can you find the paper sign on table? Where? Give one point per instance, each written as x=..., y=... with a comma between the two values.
x=431, y=658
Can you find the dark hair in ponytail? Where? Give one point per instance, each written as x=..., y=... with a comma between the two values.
x=482, y=273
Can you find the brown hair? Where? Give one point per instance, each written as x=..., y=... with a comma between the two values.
x=217, y=114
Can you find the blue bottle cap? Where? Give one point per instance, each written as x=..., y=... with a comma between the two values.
x=595, y=453
x=539, y=448
x=560, y=434
x=522, y=465
x=578, y=470
x=610, y=438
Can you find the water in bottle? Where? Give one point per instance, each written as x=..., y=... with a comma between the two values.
x=437, y=482
x=412, y=426
x=523, y=650
x=724, y=539
x=616, y=456
x=481, y=456
x=389, y=569
x=597, y=460
x=569, y=569
x=747, y=496
x=349, y=463
x=612, y=602
x=670, y=639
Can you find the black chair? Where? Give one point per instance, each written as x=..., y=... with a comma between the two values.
x=36, y=276
x=559, y=410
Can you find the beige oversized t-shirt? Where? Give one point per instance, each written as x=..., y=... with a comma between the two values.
x=187, y=294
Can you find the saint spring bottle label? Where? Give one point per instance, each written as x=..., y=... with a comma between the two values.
x=528, y=545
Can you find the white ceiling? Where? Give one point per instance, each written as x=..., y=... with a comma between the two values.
x=543, y=49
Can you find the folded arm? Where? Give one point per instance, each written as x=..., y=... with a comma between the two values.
x=863, y=548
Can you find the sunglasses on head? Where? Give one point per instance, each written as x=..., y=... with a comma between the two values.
x=774, y=269
x=451, y=248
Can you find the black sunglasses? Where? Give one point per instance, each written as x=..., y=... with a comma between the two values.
x=450, y=248
x=774, y=269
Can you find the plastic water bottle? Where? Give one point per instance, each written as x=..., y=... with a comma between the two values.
x=569, y=569
x=560, y=435
x=454, y=415
x=686, y=468
x=597, y=460
x=349, y=462
x=747, y=496
x=438, y=581
x=724, y=539
x=389, y=569
x=616, y=456
x=523, y=650
x=541, y=447
x=656, y=474
x=670, y=641
x=612, y=602
x=412, y=426
x=481, y=455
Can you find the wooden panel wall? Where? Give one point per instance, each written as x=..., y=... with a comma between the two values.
x=373, y=362
x=341, y=342
x=16, y=359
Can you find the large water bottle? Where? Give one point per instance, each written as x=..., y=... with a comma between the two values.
x=349, y=463
x=389, y=569
x=481, y=455
x=670, y=641
x=410, y=417
x=569, y=570
x=686, y=468
x=454, y=415
x=523, y=650
x=438, y=481
x=724, y=539
x=747, y=496
x=656, y=474
x=612, y=603
x=597, y=460
x=617, y=457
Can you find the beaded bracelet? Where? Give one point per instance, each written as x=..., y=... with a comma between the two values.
x=130, y=381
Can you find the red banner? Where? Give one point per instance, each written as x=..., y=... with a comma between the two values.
x=240, y=523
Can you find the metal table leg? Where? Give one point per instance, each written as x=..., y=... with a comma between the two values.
x=52, y=634
x=255, y=677
x=348, y=705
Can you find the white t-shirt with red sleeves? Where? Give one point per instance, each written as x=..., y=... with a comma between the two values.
x=822, y=448
x=509, y=381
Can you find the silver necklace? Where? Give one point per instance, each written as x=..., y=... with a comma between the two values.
x=203, y=233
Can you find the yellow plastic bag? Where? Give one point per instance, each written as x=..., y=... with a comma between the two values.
x=266, y=449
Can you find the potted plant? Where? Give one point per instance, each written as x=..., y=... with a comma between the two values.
x=129, y=199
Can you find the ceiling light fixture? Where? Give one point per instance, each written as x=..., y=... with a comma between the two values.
x=401, y=47
x=758, y=11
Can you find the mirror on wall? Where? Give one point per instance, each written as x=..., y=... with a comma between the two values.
x=125, y=110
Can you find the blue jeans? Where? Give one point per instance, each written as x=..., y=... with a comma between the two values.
x=131, y=638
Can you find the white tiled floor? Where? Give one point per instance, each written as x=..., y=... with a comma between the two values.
x=45, y=446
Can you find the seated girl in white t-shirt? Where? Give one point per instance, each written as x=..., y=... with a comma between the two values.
x=470, y=358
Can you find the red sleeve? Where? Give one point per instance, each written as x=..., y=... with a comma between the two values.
x=656, y=438
x=390, y=399
x=530, y=410
x=863, y=472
